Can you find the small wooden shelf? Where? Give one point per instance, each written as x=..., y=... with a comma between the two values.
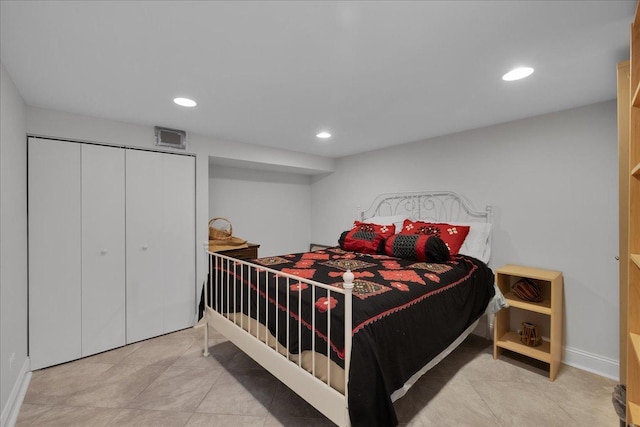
x=636, y=171
x=543, y=307
x=636, y=259
x=511, y=341
x=529, y=272
x=551, y=286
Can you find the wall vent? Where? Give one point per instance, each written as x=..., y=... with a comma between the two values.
x=175, y=138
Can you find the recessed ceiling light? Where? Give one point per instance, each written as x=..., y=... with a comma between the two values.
x=324, y=135
x=517, y=74
x=185, y=102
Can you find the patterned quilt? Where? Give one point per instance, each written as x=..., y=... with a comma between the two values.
x=404, y=314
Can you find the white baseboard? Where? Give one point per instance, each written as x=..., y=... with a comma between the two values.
x=12, y=408
x=590, y=362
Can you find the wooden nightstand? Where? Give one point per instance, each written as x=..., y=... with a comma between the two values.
x=249, y=252
x=551, y=285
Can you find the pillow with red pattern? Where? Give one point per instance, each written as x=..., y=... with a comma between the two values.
x=452, y=235
x=363, y=241
x=527, y=290
x=417, y=247
x=383, y=229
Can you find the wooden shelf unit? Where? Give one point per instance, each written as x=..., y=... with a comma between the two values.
x=551, y=285
x=630, y=232
x=624, y=87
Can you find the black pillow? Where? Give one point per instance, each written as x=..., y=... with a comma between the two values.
x=417, y=247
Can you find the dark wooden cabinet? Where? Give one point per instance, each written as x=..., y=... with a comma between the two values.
x=250, y=252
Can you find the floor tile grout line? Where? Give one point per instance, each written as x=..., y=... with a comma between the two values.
x=486, y=404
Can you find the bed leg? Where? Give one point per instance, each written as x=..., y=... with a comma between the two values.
x=347, y=278
x=208, y=262
x=490, y=320
x=205, y=351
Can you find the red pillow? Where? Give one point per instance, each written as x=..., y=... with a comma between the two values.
x=452, y=235
x=365, y=242
x=383, y=230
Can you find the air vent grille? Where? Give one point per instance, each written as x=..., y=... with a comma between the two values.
x=175, y=138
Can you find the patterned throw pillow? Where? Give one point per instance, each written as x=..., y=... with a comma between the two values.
x=365, y=242
x=417, y=247
x=383, y=230
x=452, y=235
x=527, y=289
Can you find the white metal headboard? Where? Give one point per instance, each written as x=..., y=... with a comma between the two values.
x=438, y=206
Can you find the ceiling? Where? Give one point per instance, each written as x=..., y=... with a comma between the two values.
x=275, y=73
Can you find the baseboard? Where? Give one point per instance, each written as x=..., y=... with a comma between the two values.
x=12, y=408
x=590, y=362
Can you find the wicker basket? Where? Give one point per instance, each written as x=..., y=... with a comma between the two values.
x=220, y=231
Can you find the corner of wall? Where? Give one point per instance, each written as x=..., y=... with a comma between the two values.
x=14, y=362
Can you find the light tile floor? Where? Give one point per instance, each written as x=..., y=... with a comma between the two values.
x=166, y=382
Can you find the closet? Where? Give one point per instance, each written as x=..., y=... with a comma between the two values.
x=111, y=247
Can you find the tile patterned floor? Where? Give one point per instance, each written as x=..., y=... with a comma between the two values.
x=166, y=382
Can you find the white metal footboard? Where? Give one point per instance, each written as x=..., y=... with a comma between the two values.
x=312, y=381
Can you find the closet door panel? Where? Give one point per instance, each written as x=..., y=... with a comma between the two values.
x=103, y=248
x=144, y=243
x=54, y=252
x=179, y=244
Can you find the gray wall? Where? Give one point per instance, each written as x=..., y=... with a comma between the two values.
x=552, y=181
x=265, y=207
x=13, y=244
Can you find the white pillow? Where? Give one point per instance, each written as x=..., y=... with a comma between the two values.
x=477, y=243
x=397, y=220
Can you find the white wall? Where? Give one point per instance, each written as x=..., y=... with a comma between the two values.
x=51, y=123
x=552, y=181
x=265, y=207
x=13, y=245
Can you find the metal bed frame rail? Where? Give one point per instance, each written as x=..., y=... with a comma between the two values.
x=319, y=393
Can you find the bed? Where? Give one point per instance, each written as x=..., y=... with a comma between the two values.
x=351, y=331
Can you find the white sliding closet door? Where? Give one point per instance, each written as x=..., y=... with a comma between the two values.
x=54, y=252
x=103, y=248
x=145, y=256
x=111, y=247
x=179, y=231
x=160, y=218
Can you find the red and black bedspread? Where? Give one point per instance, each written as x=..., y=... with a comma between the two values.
x=404, y=314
